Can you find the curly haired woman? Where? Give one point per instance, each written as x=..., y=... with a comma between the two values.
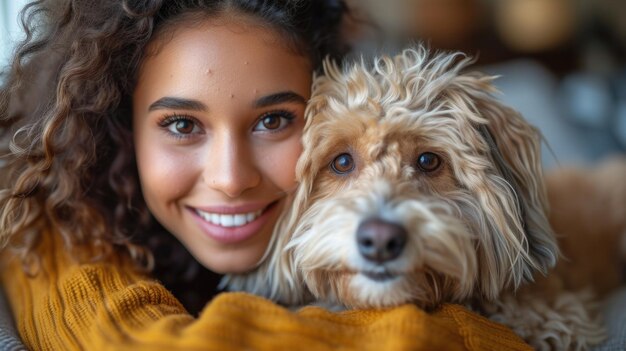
x=158, y=139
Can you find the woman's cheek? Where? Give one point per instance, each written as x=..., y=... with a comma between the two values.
x=167, y=174
x=281, y=168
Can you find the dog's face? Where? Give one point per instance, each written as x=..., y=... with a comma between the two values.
x=415, y=186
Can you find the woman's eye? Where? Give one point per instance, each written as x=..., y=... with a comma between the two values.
x=428, y=162
x=274, y=121
x=342, y=164
x=181, y=126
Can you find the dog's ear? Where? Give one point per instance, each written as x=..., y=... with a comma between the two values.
x=514, y=147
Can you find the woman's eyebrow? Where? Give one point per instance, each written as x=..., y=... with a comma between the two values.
x=176, y=103
x=274, y=99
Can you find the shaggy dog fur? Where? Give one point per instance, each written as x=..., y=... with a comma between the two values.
x=417, y=186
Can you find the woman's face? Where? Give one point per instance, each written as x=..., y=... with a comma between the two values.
x=217, y=120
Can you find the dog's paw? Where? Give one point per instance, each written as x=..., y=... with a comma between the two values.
x=566, y=323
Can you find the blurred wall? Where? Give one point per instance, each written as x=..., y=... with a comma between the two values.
x=562, y=62
x=9, y=28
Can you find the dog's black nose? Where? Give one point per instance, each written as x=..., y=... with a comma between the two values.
x=379, y=240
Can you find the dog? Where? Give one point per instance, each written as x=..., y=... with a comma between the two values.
x=416, y=185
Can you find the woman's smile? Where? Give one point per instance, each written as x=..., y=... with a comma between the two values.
x=229, y=220
x=231, y=225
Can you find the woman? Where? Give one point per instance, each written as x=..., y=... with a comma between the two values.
x=188, y=112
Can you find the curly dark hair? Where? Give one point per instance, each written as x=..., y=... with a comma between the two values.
x=65, y=115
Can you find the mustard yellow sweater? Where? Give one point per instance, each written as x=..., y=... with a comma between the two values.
x=107, y=306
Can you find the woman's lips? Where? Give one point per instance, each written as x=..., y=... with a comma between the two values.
x=232, y=225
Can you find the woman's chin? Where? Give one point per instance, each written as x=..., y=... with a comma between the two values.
x=233, y=260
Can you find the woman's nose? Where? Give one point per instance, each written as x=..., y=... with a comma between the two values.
x=230, y=167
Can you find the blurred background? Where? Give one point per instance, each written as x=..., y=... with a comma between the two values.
x=562, y=63
x=9, y=28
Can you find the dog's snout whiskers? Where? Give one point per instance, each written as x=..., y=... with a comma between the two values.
x=379, y=240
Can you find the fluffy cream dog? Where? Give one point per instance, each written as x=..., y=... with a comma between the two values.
x=418, y=186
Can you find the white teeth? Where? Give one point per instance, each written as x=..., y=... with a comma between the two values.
x=229, y=220
x=239, y=220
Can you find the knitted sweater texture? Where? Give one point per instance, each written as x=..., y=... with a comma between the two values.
x=109, y=306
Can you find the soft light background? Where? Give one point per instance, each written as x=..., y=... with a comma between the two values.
x=562, y=63
x=9, y=27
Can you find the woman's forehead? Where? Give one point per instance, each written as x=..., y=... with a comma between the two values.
x=224, y=60
x=230, y=19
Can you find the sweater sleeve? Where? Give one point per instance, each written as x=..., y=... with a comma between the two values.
x=107, y=306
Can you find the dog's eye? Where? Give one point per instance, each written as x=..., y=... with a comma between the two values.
x=428, y=162
x=342, y=164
